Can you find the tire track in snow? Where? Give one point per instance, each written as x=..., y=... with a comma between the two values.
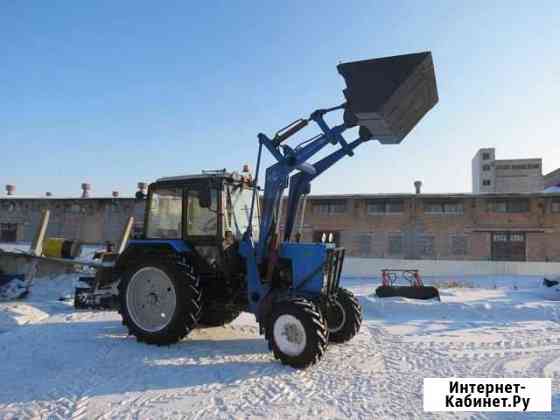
x=378, y=375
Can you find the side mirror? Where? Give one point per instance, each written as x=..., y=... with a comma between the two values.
x=205, y=198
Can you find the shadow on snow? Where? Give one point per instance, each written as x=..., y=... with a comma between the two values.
x=54, y=360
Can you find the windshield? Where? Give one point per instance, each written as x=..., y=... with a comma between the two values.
x=164, y=217
x=239, y=209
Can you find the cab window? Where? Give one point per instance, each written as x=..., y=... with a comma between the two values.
x=165, y=214
x=239, y=209
x=202, y=218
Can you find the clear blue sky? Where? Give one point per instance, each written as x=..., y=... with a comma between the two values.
x=116, y=92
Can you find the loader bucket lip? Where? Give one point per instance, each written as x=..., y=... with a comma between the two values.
x=388, y=96
x=397, y=68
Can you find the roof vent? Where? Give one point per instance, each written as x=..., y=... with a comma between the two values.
x=85, y=190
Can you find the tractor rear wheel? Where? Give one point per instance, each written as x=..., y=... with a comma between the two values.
x=297, y=333
x=217, y=316
x=344, y=316
x=160, y=303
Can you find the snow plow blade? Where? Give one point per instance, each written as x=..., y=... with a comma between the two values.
x=388, y=96
x=411, y=292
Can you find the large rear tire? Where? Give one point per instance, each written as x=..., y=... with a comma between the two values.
x=297, y=333
x=160, y=303
x=344, y=317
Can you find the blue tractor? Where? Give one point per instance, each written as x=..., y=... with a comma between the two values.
x=211, y=246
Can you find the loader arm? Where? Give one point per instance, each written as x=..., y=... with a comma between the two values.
x=277, y=177
x=300, y=182
x=385, y=98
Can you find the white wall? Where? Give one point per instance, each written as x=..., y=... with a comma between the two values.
x=364, y=267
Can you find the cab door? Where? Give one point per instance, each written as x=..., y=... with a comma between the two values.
x=202, y=226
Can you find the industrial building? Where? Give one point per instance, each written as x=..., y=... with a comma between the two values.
x=501, y=227
x=90, y=220
x=485, y=226
x=491, y=175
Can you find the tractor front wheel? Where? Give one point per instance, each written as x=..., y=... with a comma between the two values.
x=297, y=333
x=344, y=316
x=159, y=303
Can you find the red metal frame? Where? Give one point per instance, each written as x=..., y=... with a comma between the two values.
x=390, y=275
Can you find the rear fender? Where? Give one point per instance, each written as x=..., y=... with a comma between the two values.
x=139, y=251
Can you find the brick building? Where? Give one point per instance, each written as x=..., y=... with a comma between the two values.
x=418, y=226
x=523, y=227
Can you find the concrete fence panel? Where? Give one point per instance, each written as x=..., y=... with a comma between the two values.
x=367, y=267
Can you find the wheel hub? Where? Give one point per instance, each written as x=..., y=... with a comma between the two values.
x=151, y=299
x=336, y=316
x=289, y=335
x=293, y=334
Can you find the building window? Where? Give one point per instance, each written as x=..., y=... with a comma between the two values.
x=329, y=208
x=395, y=244
x=517, y=237
x=459, y=245
x=382, y=207
x=486, y=182
x=509, y=246
x=439, y=207
x=486, y=156
x=363, y=244
x=425, y=245
x=485, y=167
x=509, y=206
x=555, y=205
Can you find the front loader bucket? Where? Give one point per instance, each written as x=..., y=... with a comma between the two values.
x=387, y=96
x=411, y=292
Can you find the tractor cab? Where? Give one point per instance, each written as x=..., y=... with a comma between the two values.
x=209, y=213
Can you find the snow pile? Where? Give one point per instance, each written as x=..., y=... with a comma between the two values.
x=13, y=289
x=65, y=363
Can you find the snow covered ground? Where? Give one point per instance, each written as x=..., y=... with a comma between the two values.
x=59, y=363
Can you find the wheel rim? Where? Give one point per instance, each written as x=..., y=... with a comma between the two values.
x=151, y=299
x=336, y=317
x=289, y=335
